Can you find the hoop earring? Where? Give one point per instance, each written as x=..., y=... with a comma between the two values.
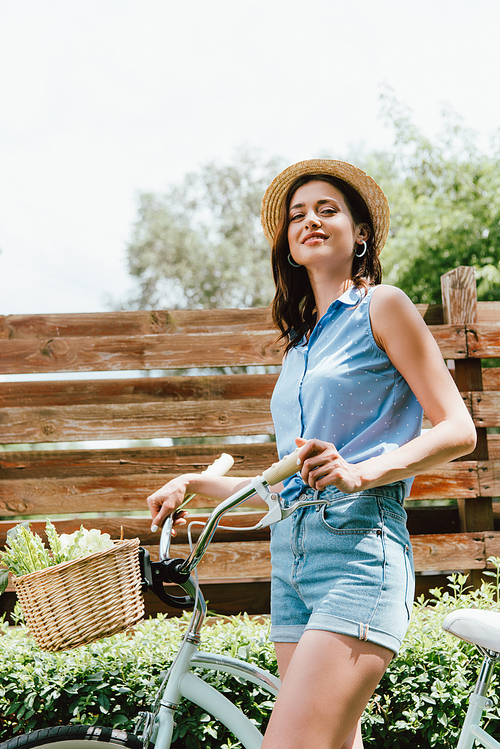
x=360, y=254
x=292, y=262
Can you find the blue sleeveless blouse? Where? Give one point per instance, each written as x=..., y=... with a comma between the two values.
x=341, y=387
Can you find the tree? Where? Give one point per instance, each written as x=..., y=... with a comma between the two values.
x=445, y=206
x=200, y=244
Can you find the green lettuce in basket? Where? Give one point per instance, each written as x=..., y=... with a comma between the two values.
x=26, y=552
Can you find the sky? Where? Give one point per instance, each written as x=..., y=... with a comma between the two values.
x=103, y=99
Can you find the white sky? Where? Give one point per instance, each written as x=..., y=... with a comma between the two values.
x=100, y=99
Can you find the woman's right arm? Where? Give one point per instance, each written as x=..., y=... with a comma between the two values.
x=166, y=500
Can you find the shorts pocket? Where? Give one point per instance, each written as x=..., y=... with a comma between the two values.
x=353, y=514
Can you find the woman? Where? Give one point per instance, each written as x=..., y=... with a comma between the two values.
x=360, y=366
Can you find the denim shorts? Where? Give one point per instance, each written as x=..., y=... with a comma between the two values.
x=344, y=567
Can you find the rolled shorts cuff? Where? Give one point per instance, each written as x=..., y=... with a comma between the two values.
x=328, y=623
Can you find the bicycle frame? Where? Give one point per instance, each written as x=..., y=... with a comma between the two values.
x=181, y=682
x=478, y=702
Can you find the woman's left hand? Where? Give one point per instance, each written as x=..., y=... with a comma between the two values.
x=323, y=466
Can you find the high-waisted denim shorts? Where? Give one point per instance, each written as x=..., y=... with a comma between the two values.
x=344, y=567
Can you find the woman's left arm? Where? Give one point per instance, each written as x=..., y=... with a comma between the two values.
x=400, y=331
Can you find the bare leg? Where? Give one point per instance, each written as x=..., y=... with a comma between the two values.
x=284, y=653
x=327, y=682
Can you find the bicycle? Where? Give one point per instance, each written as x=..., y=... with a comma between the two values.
x=480, y=628
x=155, y=728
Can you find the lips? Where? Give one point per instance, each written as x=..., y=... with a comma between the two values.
x=314, y=237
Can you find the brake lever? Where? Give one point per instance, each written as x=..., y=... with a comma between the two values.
x=276, y=511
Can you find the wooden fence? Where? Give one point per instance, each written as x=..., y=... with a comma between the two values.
x=451, y=510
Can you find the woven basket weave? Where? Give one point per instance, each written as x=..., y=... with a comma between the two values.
x=74, y=603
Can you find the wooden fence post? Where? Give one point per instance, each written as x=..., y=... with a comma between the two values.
x=459, y=297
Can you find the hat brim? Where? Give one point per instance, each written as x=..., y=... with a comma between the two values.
x=369, y=190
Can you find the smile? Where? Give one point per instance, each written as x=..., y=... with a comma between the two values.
x=314, y=238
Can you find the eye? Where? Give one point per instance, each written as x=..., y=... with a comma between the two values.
x=328, y=210
x=296, y=216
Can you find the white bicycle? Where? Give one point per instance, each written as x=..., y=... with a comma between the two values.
x=155, y=728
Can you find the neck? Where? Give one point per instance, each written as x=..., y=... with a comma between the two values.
x=326, y=292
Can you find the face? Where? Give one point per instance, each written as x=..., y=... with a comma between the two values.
x=321, y=230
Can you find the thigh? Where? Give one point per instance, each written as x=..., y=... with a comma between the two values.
x=328, y=682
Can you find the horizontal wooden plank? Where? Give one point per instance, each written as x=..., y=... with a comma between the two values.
x=45, y=394
x=164, y=416
x=491, y=378
x=449, y=552
x=38, y=411
x=483, y=340
x=150, y=322
x=161, y=462
x=112, y=353
x=136, y=421
x=250, y=561
x=436, y=552
x=47, y=497
x=486, y=408
x=133, y=323
x=453, y=480
x=167, y=351
x=420, y=521
x=73, y=491
x=488, y=312
x=489, y=478
x=451, y=340
x=140, y=408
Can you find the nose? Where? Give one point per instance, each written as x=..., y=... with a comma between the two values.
x=312, y=219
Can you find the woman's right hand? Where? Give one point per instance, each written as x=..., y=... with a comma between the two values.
x=166, y=500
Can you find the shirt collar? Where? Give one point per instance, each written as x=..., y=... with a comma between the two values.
x=349, y=298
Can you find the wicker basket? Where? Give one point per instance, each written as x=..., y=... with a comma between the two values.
x=74, y=603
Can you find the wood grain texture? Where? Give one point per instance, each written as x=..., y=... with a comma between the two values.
x=75, y=491
x=458, y=292
x=111, y=353
x=167, y=351
x=447, y=553
x=133, y=323
x=483, y=340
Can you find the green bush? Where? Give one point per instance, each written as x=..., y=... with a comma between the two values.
x=421, y=700
x=108, y=682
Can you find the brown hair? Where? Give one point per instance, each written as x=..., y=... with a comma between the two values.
x=293, y=307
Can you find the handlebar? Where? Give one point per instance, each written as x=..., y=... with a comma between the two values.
x=179, y=570
x=276, y=473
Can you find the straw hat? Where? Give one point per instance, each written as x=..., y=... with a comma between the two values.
x=371, y=193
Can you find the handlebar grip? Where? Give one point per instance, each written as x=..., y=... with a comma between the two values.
x=280, y=471
x=219, y=467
